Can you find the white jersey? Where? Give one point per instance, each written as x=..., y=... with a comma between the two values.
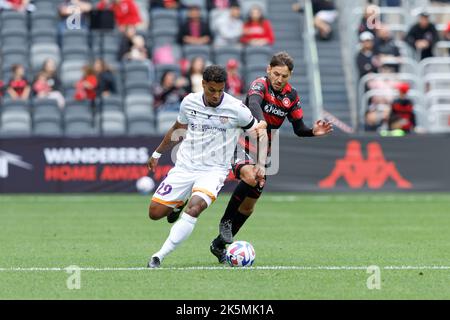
x=212, y=133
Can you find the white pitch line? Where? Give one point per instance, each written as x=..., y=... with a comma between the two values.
x=43, y=269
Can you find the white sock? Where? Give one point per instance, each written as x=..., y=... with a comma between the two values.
x=179, y=232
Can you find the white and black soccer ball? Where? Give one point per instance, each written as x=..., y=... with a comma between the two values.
x=145, y=185
x=240, y=254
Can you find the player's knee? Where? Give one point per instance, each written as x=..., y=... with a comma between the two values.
x=194, y=210
x=155, y=212
x=248, y=176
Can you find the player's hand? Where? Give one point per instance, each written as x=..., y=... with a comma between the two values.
x=260, y=130
x=152, y=163
x=322, y=128
x=260, y=175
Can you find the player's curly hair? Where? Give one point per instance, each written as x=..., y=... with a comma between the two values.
x=282, y=59
x=215, y=73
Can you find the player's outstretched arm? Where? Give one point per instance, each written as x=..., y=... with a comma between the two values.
x=171, y=139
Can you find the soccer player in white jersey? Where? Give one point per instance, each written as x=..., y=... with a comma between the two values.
x=212, y=120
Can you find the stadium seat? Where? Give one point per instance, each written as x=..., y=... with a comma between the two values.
x=138, y=71
x=9, y=104
x=111, y=103
x=75, y=53
x=43, y=19
x=80, y=129
x=13, y=20
x=137, y=87
x=165, y=120
x=12, y=37
x=78, y=119
x=39, y=103
x=45, y=6
x=139, y=99
x=14, y=55
x=438, y=117
x=257, y=55
x=223, y=54
x=164, y=36
x=46, y=117
x=140, y=125
x=162, y=68
x=254, y=71
x=75, y=38
x=72, y=104
x=192, y=51
x=15, y=123
x=42, y=51
x=43, y=35
x=47, y=129
x=113, y=123
x=162, y=18
x=71, y=72
x=140, y=111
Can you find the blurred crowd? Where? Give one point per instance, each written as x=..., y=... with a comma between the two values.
x=229, y=28
x=381, y=54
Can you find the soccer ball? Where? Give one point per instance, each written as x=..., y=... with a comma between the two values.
x=240, y=254
x=145, y=185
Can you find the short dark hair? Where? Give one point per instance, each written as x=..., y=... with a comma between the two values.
x=282, y=59
x=215, y=73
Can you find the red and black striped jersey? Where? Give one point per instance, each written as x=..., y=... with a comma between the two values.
x=276, y=106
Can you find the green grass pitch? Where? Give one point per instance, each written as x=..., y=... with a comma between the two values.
x=325, y=243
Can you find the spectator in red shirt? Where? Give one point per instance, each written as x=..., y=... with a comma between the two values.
x=402, y=111
x=126, y=12
x=18, y=86
x=17, y=5
x=85, y=88
x=257, y=30
x=235, y=85
x=195, y=31
x=165, y=4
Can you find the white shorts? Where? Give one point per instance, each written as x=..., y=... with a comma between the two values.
x=180, y=184
x=329, y=16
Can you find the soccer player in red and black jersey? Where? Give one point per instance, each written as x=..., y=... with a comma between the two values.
x=271, y=99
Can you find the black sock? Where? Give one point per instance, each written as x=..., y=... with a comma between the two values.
x=238, y=222
x=238, y=196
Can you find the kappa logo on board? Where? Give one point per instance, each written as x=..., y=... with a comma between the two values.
x=375, y=170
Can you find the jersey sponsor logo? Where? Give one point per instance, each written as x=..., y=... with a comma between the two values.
x=224, y=119
x=268, y=108
x=357, y=171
